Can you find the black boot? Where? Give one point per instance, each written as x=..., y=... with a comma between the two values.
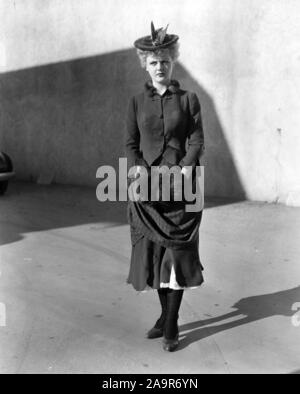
x=157, y=330
x=171, y=331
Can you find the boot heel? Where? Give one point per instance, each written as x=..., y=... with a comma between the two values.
x=169, y=345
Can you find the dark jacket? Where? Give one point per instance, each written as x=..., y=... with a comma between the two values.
x=169, y=126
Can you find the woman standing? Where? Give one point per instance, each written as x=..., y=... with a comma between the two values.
x=164, y=236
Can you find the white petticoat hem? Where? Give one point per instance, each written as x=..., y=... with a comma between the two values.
x=173, y=284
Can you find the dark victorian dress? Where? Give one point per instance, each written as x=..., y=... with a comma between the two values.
x=164, y=130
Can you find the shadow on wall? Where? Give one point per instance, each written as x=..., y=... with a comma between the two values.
x=60, y=122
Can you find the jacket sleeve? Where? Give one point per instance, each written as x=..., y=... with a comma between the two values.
x=195, y=137
x=132, y=138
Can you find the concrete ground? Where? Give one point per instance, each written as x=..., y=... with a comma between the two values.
x=65, y=306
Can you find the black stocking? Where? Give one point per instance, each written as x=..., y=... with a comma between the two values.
x=174, y=298
x=162, y=294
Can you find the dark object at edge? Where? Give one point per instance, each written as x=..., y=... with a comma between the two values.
x=6, y=171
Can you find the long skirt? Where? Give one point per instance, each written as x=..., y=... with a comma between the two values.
x=155, y=266
x=165, y=246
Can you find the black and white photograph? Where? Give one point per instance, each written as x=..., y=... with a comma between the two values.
x=149, y=189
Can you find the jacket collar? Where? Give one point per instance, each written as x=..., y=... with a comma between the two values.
x=174, y=87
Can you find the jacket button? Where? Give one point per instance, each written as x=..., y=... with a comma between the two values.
x=161, y=116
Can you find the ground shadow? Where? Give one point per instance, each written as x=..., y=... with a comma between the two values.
x=27, y=208
x=32, y=207
x=247, y=310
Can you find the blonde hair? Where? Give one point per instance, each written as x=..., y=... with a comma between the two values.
x=172, y=51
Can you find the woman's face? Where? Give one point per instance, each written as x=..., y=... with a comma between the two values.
x=159, y=67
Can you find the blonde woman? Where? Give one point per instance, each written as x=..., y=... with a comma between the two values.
x=163, y=127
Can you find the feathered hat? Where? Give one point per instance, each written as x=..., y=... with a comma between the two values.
x=158, y=39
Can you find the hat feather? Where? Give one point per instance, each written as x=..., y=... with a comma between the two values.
x=153, y=33
x=162, y=34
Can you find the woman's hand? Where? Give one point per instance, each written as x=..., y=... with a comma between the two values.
x=178, y=187
x=185, y=171
x=138, y=188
